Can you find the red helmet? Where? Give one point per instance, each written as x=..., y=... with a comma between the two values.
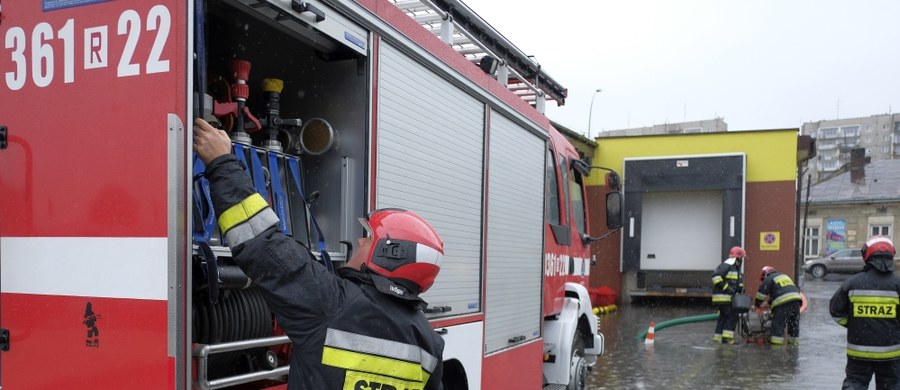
x=404, y=247
x=737, y=252
x=877, y=245
x=765, y=272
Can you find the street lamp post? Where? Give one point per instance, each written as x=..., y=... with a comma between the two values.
x=591, y=111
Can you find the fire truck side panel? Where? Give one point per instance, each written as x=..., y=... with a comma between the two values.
x=83, y=239
x=53, y=345
x=80, y=121
x=514, y=235
x=519, y=368
x=430, y=147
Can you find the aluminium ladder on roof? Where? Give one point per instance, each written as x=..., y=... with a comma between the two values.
x=471, y=36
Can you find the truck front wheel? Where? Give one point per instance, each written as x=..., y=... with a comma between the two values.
x=577, y=365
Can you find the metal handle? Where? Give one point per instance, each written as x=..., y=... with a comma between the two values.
x=4, y=340
x=438, y=309
x=202, y=352
x=303, y=7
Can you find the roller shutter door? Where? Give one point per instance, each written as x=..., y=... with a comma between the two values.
x=430, y=159
x=514, y=235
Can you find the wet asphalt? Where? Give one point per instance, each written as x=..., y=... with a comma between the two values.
x=685, y=357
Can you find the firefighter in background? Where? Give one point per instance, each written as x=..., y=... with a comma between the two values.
x=362, y=328
x=866, y=304
x=727, y=281
x=784, y=300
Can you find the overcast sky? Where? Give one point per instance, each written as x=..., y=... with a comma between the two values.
x=760, y=64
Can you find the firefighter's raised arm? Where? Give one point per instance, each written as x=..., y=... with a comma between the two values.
x=210, y=142
x=299, y=291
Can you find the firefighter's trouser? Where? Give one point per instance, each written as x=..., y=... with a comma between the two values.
x=785, y=315
x=728, y=319
x=859, y=373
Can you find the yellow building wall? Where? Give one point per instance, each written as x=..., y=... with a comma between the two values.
x=771, y=154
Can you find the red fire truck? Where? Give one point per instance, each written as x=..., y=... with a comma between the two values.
x=113, y=273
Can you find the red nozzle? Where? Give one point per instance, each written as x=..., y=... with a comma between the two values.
x=240, y=69
x=240, y=91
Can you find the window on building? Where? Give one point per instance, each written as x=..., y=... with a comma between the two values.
x=811, y=241
x=868, y=128
x=850, y=131
x=886, y=149
x=880, y=230
x=828, y=132
x=830, y=165
x=869, y=139
x=886, y=138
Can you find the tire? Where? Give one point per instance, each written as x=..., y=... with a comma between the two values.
x=577, y=365
x=818, y=271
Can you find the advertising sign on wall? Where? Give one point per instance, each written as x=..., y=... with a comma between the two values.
x=835, y=235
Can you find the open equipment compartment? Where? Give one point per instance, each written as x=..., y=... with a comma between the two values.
x=307, y=91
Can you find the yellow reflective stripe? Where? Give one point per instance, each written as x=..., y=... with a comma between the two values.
x=717, y=279
x=794, y=296
x=777, y=340
x=783, y=280
x=732, y=275
x=241, y=212
x=842, y=321
x=721, y=298
x=251, y=228
x=356, y=361
x=761, y=296
x=350, y=341
x=869, y=352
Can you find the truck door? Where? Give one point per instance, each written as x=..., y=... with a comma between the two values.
x=93, y=93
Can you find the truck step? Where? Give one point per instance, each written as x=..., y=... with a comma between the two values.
x=555, y=387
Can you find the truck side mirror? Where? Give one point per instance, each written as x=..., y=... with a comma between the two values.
x=614, y=210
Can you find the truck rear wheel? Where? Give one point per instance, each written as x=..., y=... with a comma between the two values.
x=577, y=365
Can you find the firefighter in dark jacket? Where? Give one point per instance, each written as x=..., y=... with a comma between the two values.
x=727, y=281
x=866, y=304
x=363, y=328
x=784, y=300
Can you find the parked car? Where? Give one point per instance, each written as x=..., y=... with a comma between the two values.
x=844, y=261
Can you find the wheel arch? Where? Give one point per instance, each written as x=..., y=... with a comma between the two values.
x=454, y=375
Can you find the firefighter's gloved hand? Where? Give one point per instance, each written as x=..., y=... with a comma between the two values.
x=210, y=142
x=730, y=291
